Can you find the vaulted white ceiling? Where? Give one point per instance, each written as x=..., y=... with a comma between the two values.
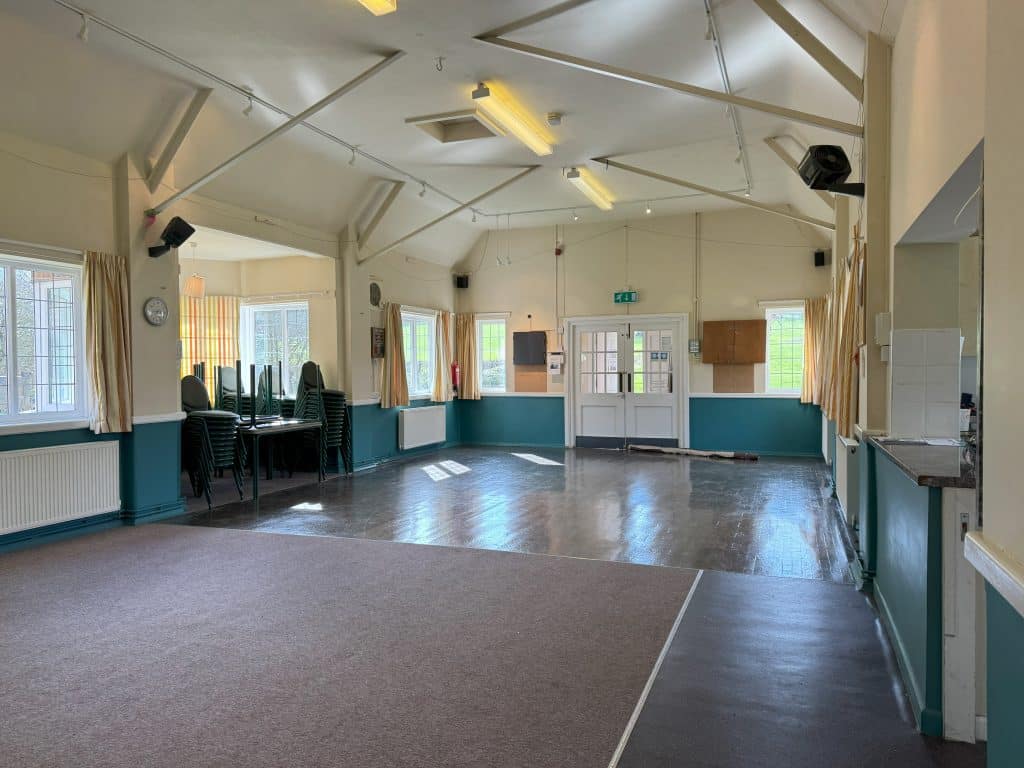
x=111, y=95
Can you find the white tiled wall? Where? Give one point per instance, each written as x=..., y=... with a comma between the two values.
x=925, y=383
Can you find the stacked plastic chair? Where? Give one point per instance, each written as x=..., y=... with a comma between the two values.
x=314, y=401
x=210, y=441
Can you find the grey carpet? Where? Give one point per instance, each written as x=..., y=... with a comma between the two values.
x=173, y=646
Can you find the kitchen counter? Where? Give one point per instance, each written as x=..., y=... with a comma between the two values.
x=934, y=466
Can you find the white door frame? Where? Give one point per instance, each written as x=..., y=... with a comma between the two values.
x=680, y=366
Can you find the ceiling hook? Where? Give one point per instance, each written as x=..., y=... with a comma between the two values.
x=439, y=63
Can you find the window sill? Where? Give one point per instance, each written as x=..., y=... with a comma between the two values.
x=28, y=427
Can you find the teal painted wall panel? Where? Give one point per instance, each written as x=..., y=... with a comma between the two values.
x=832, y=431
x=867, y=511
x=908, y=584
x=375, y=432
x=537, y=421
x=1005, y=682
x=151, y=472
x=773, y=426
x=49, y=439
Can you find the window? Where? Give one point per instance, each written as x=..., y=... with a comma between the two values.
x=41, y=342
x=418, y=345
x=784, y=369
x=491, y=343
x=273, y=333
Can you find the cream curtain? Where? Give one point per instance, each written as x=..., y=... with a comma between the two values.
x=815, y=321
x=442, y=357
x=465, y=354
x=394, y=389
x=108, y=341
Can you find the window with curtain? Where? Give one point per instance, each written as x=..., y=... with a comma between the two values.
x=784, y=360
x=491, y=342
x=209, y=332
x=273, y=333
x=42, y=370
x=418, y=346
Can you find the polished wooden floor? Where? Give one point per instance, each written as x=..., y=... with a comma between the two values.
x=773, y=517
x=791, y=671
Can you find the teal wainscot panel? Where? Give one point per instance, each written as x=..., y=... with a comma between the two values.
x=375, y=432
x=526, y=420
x=1005, y=682
x=908, y=583
x=771, y=426
x=151, y=472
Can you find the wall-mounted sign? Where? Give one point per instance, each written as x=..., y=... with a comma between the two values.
x=376, y=343
x=627, y=297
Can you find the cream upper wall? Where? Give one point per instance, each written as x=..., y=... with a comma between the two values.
x=405, y=280
x=926, y=282
x=938, y=100
x=49, y=196
x=1003, y=417
x=747, y=256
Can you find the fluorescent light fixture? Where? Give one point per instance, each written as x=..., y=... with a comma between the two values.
x=380, y=7
x=497, y=104
x=586, y=183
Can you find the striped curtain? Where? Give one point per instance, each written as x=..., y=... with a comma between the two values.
x=394, y=389
x=209, y=332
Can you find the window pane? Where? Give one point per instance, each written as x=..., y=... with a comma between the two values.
x=785, y=349
x=39, y=339
x=492, y=354
x=4, y=407
x=418, y=345
x=297, y=320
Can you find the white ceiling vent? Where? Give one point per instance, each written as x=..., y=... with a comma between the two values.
x=461, y=125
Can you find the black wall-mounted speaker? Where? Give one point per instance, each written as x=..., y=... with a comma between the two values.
x=174, y=235
x=820, y=259
x=462, y=281
x=823, y=166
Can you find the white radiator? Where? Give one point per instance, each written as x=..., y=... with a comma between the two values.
x=43, y=486
x=848, y=477
x=421, y=426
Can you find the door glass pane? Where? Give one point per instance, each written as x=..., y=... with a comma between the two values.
x=586, y=341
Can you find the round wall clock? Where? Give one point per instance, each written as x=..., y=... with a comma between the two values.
x=155, y=310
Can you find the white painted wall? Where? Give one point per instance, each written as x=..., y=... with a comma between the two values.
x=926, y=281
x=1003, y=277
x=938, y=100
x=747, y=256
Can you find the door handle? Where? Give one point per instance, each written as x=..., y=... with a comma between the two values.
x=630, y=382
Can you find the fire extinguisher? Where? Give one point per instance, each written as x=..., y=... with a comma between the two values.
x=455, y=375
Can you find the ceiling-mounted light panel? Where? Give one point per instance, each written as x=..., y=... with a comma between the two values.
x=586, y=183
x=503, y=109
x=380, y=7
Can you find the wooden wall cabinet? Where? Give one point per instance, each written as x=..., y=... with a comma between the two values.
x=734, y=342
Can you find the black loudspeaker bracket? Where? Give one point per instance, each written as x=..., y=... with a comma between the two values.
x=851, y=190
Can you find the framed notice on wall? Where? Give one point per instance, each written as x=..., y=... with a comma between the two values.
x=376, y=343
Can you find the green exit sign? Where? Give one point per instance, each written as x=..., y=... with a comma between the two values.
x=627, y=297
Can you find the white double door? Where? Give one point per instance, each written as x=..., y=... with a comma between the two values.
x=625, y=383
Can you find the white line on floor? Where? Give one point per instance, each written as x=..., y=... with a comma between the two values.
x=455, y=468
x=654, y=673
x=435, y=472
x=539, y=459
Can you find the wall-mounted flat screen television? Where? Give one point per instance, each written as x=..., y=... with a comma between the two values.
x=529, y=348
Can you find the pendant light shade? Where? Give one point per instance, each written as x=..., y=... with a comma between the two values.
x=195, y=285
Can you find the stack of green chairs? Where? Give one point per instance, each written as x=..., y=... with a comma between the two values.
x=313, y=401
x=210, y=442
